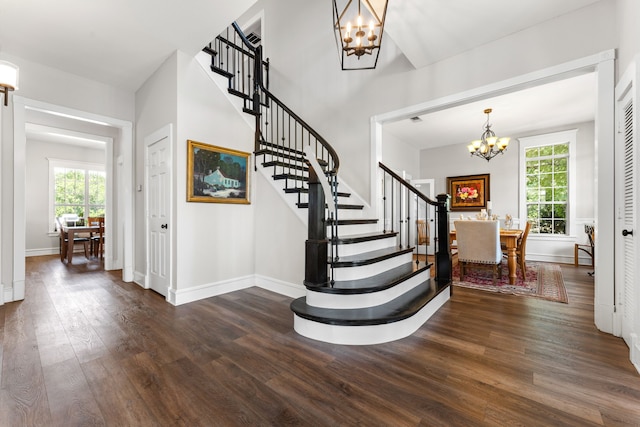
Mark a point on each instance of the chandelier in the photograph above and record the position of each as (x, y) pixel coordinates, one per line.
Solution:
(358, 27)
(489, 145)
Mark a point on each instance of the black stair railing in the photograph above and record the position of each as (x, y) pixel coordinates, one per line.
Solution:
(408, 211)
(234, 57)
(284, 141)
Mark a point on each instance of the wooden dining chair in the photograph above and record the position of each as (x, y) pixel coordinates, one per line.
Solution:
(423, 232)
(521, 250)
(64, 241)
(479, 246)
(97, 239)
(589, 249)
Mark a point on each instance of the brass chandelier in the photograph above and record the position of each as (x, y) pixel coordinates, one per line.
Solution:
(358, 27)
(489, 145)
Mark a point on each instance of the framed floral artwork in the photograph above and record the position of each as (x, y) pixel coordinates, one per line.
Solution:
(468, 193)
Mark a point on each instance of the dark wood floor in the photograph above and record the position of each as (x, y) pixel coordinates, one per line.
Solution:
(84, 348)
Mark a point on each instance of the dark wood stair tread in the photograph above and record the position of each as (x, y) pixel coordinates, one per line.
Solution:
(285, 165)
(368, 258)
(398, 309)
(305, 190)
(352, 221)
(340, 206)
(268, 152)
(379, 282)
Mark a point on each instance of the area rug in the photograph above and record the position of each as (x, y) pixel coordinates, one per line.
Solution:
(542, 281)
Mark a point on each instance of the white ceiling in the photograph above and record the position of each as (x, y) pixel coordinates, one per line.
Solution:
(554, 104)
(118, 42)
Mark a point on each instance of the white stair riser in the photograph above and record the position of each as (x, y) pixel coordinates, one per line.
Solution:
(370, 299)
(364, 271)
(362, 247)
(351, 229)
(371, 334)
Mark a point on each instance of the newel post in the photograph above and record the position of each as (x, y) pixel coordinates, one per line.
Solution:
(443, 251)
(316, 246)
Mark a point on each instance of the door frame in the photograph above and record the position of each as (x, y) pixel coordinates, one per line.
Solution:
(120, 224)
(603, 65)
(162, 133)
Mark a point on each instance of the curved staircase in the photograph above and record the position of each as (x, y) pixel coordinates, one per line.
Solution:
(364, 283)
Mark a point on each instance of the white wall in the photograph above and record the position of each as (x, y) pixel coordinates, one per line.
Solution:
(628, 13)
(156, 106)
(400, 156)
(214, 241)
(38, 240)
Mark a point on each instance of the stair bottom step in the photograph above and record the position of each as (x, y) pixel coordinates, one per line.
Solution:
(398, 309)
(350, 333)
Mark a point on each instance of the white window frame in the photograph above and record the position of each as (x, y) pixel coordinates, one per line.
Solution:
(70, 164)
(543, 140)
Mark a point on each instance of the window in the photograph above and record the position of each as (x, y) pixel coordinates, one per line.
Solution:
(547, 179)
(76, 188)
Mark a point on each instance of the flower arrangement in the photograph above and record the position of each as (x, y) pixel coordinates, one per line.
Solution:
(465, 193)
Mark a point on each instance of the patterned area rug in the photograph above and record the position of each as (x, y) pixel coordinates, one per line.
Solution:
(542, 281)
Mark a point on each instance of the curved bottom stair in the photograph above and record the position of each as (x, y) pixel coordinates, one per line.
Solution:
(384, 307)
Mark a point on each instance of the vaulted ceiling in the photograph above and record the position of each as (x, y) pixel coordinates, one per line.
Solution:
(122, 42)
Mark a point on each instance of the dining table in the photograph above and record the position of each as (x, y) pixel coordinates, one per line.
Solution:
(71, 231)
(510, 239)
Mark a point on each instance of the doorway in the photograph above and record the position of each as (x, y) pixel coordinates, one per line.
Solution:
(119, 163)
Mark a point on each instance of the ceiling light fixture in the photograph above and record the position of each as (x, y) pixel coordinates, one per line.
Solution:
(489, 145)
(358, 27)
(8, 79)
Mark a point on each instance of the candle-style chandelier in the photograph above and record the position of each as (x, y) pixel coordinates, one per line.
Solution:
(358, 27)
(489, 145)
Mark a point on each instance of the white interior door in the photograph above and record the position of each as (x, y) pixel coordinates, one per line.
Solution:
(627, 298)
(158, 160)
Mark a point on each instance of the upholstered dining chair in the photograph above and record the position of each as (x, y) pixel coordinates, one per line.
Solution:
(521, 250)
(479, 246)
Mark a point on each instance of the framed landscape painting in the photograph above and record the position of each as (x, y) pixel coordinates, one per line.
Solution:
(468, 193)
(216, 174)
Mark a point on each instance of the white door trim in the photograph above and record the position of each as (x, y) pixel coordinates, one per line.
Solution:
(122, 223)
(164, 132)
(603, 64)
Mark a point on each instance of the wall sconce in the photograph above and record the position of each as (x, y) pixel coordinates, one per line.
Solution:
(8, 79)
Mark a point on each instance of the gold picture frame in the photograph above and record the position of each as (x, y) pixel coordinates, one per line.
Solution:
(217, 174)
(469, 192)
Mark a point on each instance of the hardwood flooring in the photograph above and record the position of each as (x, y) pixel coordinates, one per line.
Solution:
(85, 348)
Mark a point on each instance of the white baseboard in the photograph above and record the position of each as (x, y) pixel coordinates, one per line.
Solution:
(278, 286)
(3, 297)
(634, 351)
(140, 279)
(195, 293)
(41, 252)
